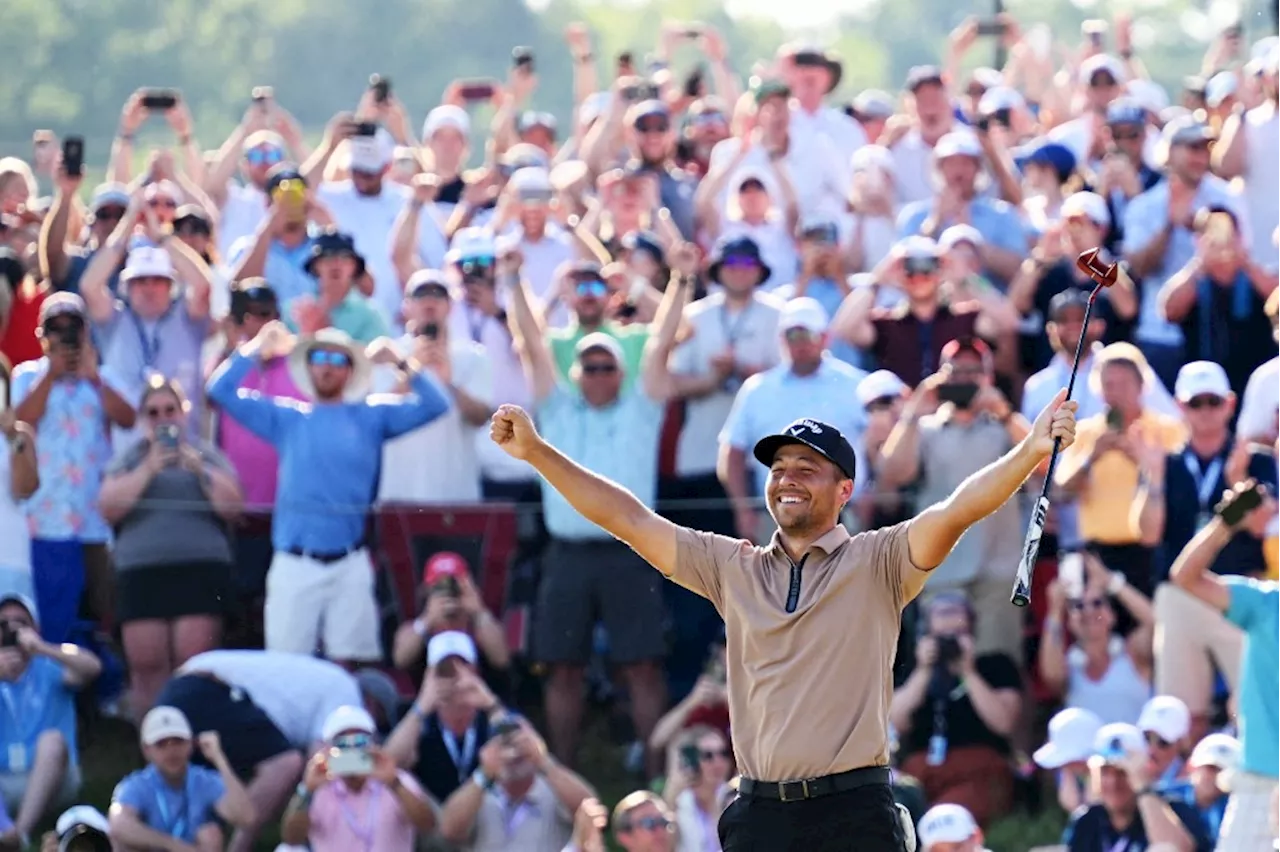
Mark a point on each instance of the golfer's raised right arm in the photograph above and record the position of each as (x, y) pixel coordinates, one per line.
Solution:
(610, 506)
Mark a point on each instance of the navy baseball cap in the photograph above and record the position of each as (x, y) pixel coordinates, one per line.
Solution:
(823, 438)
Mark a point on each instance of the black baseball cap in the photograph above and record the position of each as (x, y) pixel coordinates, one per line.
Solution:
(823, 438)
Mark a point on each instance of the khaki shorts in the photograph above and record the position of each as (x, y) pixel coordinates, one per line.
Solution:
(13, 786)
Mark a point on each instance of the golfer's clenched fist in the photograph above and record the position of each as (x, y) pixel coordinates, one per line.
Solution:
(512, 429)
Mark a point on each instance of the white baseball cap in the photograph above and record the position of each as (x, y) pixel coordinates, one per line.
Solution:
(1090, 205)
(1000, 97)
(471, 242)
(450, 643)
(1220, 87)
(957, 234)
(1220, 750)
(958, 143)
(1071, 736)
(348, 717)
(878, 385)
(1199, 378)
(147, 262)
(804, 312)
(945, 824)
(872, 157)
(916, 246)
(163, 723)
(450, 116)
(1165, 716)
(1149, 94)
(1116, 742)
(1101, 62)
(372, 154)
(85, 815)
(531, 178)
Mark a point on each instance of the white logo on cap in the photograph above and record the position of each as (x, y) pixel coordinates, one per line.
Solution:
(803, 425)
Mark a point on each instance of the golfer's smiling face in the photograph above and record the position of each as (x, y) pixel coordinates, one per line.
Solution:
(805, 491)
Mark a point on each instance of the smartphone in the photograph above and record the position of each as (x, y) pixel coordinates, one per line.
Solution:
(291, 193)
(168, 435)
(1245, 502)
(346, 762)
(447, 585)
(73, 155)
(640, 92)
(381, 88)
(262, 94)
(160, 99)
(992, 27)
(366, 128)
(522, 57)
(960, 394)
(506, 727)
(626, 63)
(691, 758)
(1071, 574)
(477, 90)
(1115, 420)
(431, 331)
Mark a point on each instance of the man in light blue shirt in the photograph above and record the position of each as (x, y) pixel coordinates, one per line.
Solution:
(280, 248)
(1254, 607)
(1158, 235)
(611, 429)
(330, 453)
(809, 382)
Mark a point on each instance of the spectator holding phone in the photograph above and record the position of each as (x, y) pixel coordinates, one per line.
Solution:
(452, 604)
(353, 796)
(170, 501)
(339, 302)
(1254, 607)
(280, 246)
(172, 800)
(697, 787)
(72, 404)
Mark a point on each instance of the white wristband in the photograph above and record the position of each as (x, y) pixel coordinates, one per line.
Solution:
(420, 627)
(1116, 583)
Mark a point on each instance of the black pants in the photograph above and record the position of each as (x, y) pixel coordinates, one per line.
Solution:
(863, 819)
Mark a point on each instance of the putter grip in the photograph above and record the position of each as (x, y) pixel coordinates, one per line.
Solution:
(1030, 552)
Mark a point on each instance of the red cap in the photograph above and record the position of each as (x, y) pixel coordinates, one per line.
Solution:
(968, 344)
(444, 564)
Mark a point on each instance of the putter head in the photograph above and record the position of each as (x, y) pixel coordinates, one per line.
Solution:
(1103, 274)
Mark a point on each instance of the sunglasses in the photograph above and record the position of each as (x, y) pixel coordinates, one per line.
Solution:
(1206, 400)
(599, 369)
(740, 261)
(712, 754)
(653, 823)
(708, 119)
(328, 358)
(259, 313)
(109, 213)
(800, 335)
(1154, 740)
(1125, 135)
(595, 288)
(162, 411)
(353, 741)
(882, 403)
(658, 126)
(475, 265)
(264, 156)
(1101, 81)
(825, 234)
(1088, 603)
(914, 266)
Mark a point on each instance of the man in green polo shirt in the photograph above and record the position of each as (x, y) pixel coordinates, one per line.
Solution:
(337, 266)
(588, 299)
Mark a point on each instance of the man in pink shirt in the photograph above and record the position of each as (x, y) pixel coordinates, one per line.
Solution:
(253, 305)
(353, 798)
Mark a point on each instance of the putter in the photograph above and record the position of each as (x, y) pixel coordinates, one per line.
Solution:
(1103, 275)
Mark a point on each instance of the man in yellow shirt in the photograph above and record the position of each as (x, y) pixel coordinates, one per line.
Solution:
(1101, 468)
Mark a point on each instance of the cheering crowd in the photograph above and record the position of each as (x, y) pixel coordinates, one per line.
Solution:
(690, 261)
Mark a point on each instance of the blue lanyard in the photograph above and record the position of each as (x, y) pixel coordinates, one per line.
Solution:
(1205, 480)
(24, 708)
(174, 827)
(149, 345)
(461, 758)
(365, 832)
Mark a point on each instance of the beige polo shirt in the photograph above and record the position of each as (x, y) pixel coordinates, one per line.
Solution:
(808, 690)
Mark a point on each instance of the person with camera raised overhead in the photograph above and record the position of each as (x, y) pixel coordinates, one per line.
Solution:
(71, 404)
(956, 712)
(437, 463)
(172, 803)
(280, 248)
(697, 787)
(452, 604)
(353, 796)
(169, 499)
(956, 422)
(1251, 605)
(39, 760)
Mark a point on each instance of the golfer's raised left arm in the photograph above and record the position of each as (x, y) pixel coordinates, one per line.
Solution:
(932, 533)
(610, 506)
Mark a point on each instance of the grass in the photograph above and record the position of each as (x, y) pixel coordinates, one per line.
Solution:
(109, 750)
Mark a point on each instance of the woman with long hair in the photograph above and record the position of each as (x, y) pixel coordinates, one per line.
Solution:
(170, 501)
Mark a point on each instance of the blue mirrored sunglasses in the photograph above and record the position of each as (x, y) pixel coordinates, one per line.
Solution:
(353, 741)
(595, 288)
(328, 358)
(264, 156)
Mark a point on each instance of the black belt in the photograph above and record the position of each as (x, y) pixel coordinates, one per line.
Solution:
(812, 788)
(326, 558)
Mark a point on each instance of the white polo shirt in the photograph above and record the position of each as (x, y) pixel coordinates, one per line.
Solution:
(752, 334)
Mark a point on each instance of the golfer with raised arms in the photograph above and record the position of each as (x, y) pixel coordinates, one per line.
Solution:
(811, 620)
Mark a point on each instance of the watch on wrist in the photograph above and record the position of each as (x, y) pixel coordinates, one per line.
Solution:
(303, 794)
(1116, 583)
(481, 779)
